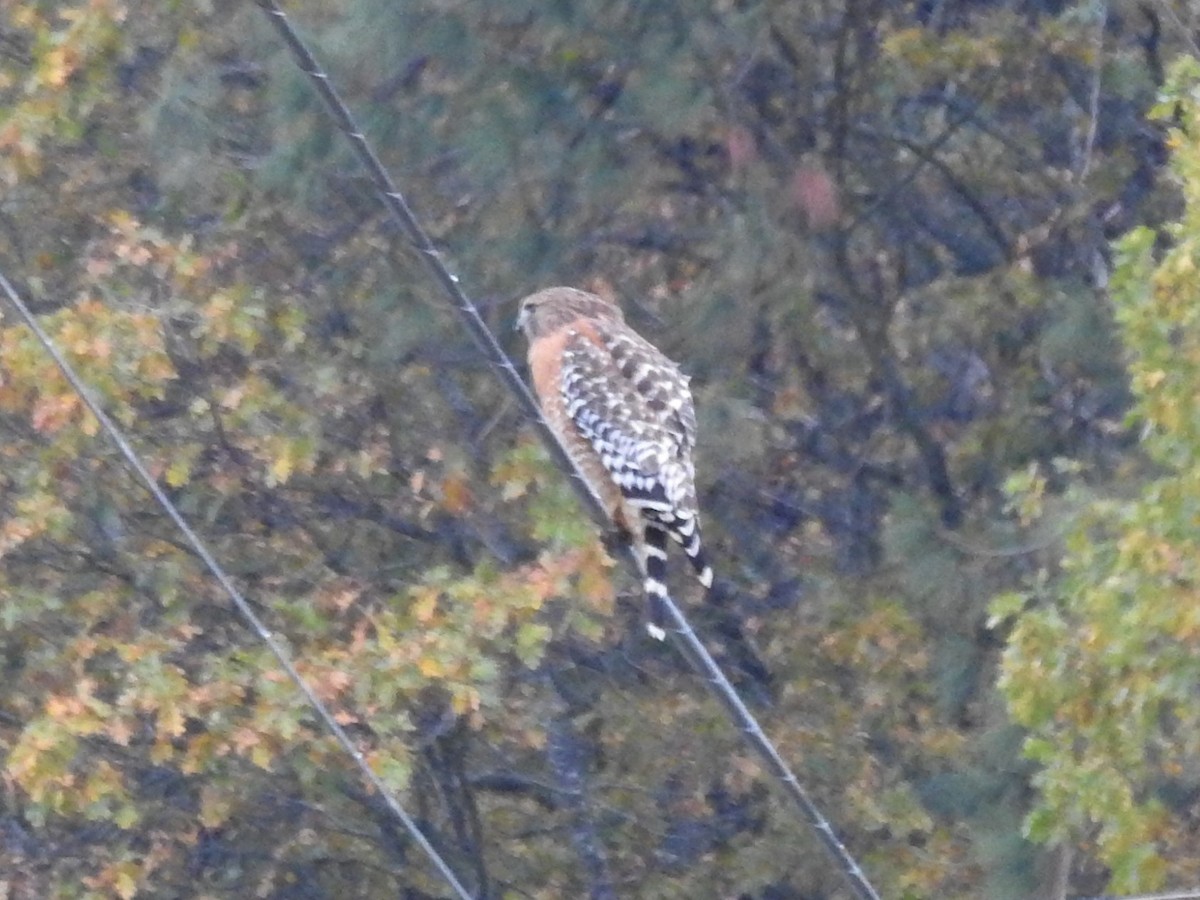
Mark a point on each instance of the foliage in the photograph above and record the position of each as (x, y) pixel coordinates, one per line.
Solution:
(869, 230)
(1103, 672)
(67, 49)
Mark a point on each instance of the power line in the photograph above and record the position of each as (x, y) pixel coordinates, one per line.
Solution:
(239, 601)
(690, 645)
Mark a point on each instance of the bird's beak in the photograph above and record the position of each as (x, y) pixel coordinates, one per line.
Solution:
(522, 319)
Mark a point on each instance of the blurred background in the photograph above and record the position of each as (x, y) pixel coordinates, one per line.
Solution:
(956, 574)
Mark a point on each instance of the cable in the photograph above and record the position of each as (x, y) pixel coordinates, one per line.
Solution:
(691, 646)
(239, 601)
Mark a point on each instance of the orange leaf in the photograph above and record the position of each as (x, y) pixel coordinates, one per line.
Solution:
(456, 496)
(51, 413)
(119, 732)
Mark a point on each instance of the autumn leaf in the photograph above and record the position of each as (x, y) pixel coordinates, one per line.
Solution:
(58, 65)
(171, 721)
(425, 605)
(178, 472)
(333, 683)
(51, 412)
(456, 493)
(119, 731)
(281, 469)
(216, 805)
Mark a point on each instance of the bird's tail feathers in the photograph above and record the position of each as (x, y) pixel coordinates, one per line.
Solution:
(654, 564)
(684, 528)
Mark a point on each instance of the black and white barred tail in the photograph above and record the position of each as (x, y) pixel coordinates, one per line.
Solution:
(684, 531)
(654, 565)
(687, 534)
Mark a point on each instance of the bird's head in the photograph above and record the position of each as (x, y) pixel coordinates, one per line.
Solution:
(552, 308)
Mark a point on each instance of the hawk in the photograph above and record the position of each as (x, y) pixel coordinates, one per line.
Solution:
(623, 413)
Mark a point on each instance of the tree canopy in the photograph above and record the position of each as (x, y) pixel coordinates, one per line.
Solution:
(932, 269)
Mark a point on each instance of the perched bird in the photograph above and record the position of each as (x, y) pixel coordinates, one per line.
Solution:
(623, 413)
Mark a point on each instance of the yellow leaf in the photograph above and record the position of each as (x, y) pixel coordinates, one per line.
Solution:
(161, 751)
(171, 721)
(126, 816)
(261, 756)
(178, 472)
(282, 467)
(125, 884)
(514, 488)
(200, 750)
(58, 66)
(425, 607)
